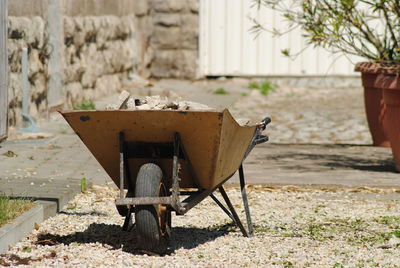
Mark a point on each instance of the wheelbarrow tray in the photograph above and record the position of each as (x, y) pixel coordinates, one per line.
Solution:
(214, 142)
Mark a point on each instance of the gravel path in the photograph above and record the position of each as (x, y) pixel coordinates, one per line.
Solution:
(294, 228)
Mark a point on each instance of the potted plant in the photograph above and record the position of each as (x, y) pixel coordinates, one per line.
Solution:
(365, 28)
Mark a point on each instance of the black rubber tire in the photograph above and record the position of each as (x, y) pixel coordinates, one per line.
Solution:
(150, 236)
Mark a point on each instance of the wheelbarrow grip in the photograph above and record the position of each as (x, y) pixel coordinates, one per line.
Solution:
(265, 122)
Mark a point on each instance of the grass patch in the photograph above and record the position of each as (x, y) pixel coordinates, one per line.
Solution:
(356, 232)
(391, 221)
(220, 91)
(265, 87)
(85, 105)
(12, 208)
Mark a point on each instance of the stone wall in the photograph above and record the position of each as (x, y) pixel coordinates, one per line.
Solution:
(102, 43)
(174, 40)
(27, 33)
(98, 54)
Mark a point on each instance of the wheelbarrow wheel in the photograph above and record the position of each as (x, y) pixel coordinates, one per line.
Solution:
(153, 222)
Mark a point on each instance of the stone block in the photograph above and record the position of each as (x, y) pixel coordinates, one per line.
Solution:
(89, 93)
(106, 28)
(121, 56)
(70, 56)
(73, 72)
(166, 63)
(193, 6)
(166, 37)
(38, 84)
(73, 93)
(189, 64)
(30, 30)
(125, 28)
(14, 50)
(168, 6)
(33, 109)
(190, 31)
(88, 78)
(141, 7)
(15, 87)
(35, 65)
(174, 63)
(167, 19)
(107, 85)
(38, 32)
(69, 27)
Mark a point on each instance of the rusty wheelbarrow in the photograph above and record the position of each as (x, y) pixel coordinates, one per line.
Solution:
(167, 161)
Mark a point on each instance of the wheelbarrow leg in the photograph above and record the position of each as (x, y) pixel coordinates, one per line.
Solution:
(128, 218)
(245, 201)
(222, 207)
(232, 209)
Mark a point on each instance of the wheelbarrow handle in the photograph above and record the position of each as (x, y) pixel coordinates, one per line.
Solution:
(265, 122)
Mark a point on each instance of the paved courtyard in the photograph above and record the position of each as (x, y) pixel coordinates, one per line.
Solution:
(318, 159)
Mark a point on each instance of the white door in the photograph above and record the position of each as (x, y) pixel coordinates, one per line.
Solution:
(227, 47)
(3, 70)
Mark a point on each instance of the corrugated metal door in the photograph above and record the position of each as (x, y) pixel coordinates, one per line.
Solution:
(3, 69)
(227, 47)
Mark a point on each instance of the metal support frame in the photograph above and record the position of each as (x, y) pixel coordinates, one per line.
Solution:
(245, 201)
(231, 212)
(174, 199)
(181, 207)
(213, 197)
(121, 164)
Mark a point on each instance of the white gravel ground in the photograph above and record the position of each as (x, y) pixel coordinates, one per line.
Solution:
(294, 228)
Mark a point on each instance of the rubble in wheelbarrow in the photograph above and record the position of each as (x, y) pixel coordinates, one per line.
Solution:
(128, 102)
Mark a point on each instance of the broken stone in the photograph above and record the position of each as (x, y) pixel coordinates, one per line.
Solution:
(123, 99)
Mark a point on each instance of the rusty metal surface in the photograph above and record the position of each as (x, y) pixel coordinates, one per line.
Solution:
(213, 141)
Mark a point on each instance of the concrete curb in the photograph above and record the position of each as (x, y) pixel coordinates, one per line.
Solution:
(22, 225)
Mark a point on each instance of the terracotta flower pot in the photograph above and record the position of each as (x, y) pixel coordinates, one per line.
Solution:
(390, 83)
(375, 108)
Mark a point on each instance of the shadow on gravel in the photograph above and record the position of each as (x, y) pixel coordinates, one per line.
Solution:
(322, 157)
(305, 162)
(92, 213)
(112, 235)
(188, 238)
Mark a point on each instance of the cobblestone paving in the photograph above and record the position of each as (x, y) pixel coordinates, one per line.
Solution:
(309, 115)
